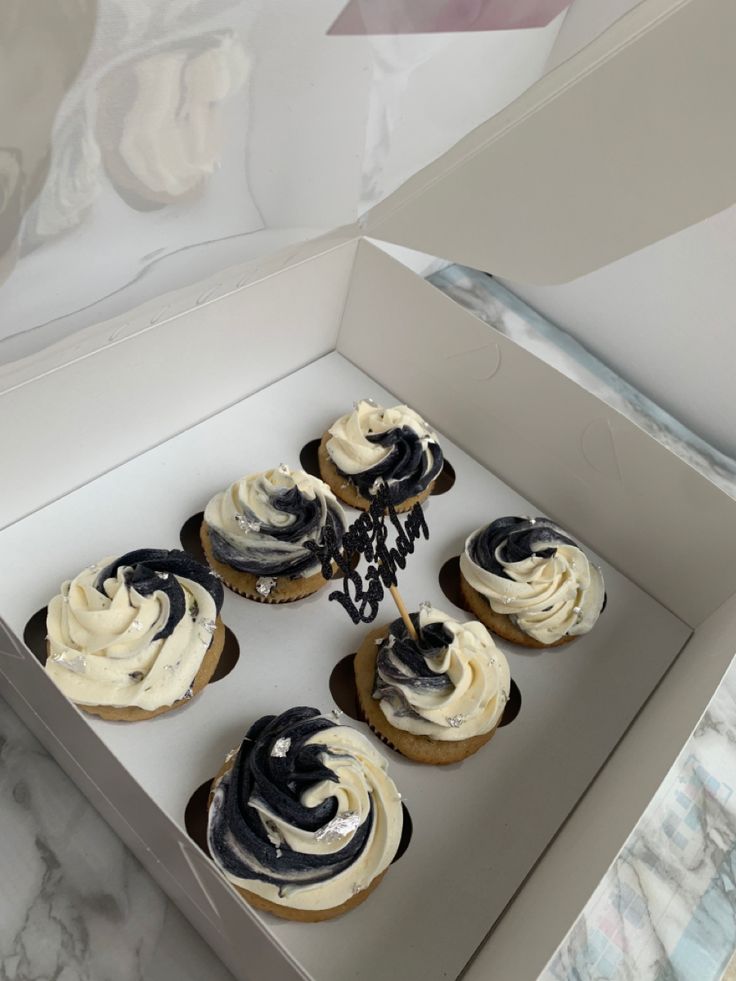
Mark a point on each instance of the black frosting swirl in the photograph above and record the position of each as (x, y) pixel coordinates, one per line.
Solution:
(151, 570)
(253, 553)
(408, 468)
(401, 660)
(513, 539)
(278, 783)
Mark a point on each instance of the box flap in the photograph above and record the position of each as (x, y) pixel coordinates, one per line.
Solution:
(186, 138)
(628, 141)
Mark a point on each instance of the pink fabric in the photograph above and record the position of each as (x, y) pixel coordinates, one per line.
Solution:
(439, 16)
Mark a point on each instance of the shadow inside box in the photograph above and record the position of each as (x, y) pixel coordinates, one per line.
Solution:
(449, 578)
(189, 537)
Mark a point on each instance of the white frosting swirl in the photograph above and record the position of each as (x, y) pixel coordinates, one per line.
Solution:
(473, 696)
(101, 646)
(548, 596)
(353, 452)
(261, 522)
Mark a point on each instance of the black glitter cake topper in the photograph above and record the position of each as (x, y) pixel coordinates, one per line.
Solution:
(368, 537)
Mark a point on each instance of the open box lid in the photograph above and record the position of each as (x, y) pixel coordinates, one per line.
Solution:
(630, 140)
(552, 170)
(172, 140)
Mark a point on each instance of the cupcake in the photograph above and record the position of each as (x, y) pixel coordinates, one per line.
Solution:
(371, 446)
(529, 583)
(135, 636)
(303, 819)
(255, 534)
(436, 699)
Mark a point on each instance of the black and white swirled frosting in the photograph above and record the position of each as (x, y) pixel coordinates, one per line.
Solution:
(372, 445)
(307, 817)
(531, 571)
(450, 683)
(261, 523)
(133, 630)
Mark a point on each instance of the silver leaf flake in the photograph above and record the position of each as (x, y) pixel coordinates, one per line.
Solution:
(425, 606)
(373, 404)
(136, 625)
(279, 853)
(163, 575)
(357, 888)
(215, 574)
(455, 721)
(272, 833)
(231, 755)
(77, 663)
(246, 523)
(284, 469)
(136, 676)
(577, 610)
(94, 567)
(169, 668)
(339, 827)
(188, 693)
(336, 713)
(209, 625)
(507, 600)
(281, 747)
(264, 585)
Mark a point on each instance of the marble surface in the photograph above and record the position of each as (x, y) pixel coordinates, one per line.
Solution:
(666, 909)
(75, 905)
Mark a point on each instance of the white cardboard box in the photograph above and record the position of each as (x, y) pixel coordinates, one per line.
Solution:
(666, 534)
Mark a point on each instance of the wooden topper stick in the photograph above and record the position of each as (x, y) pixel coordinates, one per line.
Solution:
(396, 595)
(403, 611)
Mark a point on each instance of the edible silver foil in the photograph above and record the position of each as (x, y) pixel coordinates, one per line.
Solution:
(339, 827)
(264, 585)
(77, 663)
(281, 747)
(246, 523)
